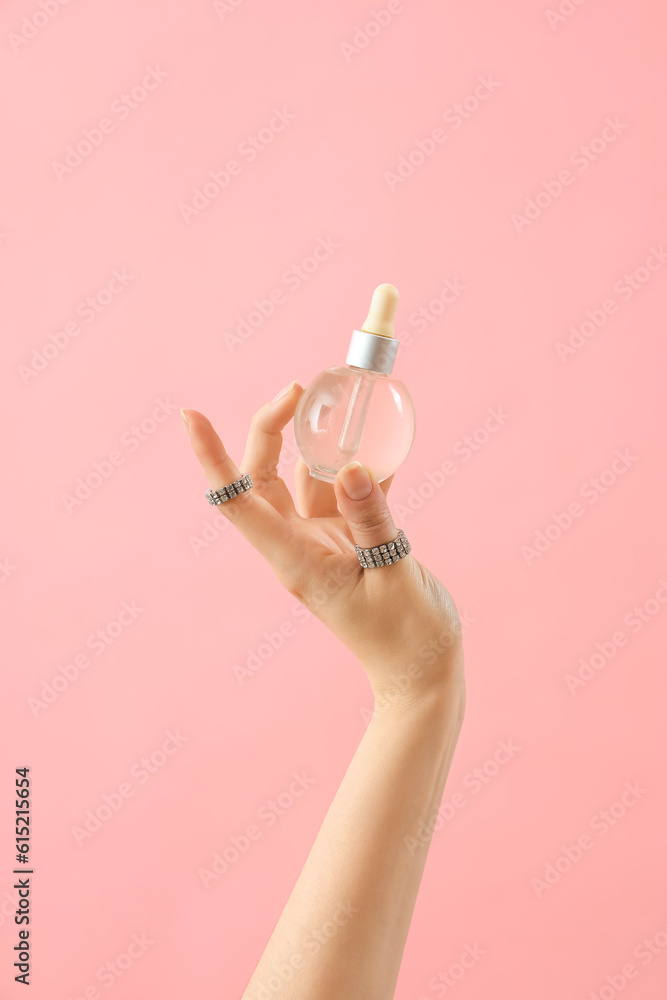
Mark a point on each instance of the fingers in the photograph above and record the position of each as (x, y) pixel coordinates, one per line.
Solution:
(263, 447)
(317, 498)
(363, 504)
(257, 520)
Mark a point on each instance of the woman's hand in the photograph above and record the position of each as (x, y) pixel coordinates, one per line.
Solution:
(398, 620)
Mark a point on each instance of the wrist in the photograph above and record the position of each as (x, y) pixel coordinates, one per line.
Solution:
(439, 684)
(402, 695)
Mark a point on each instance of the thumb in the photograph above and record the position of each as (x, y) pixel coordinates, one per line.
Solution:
(363, 504)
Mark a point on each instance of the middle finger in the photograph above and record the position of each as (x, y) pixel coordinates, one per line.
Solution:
(262, 452)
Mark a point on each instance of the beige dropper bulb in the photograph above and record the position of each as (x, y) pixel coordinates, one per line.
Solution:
(381, 314)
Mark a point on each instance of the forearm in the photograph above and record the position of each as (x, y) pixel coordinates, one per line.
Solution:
(343, 930)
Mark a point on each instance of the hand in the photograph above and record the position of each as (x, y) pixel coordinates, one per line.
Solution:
(398, 620)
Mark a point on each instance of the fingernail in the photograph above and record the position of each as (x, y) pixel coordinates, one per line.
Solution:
(355, 481)
(283, 392)
(185, 418)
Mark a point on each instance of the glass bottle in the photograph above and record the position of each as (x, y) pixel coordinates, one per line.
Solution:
(356, 411)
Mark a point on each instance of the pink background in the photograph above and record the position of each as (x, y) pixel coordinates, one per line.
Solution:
(144, 534)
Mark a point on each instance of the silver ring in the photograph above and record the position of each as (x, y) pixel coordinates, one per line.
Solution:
(384, 555)
(216, 497)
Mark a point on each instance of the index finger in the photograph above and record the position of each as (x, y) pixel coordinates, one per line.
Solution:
(257, 520)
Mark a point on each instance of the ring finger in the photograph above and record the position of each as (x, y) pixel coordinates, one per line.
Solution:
(263, 447)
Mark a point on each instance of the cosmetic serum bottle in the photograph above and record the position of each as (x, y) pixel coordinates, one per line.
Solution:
(357, 411)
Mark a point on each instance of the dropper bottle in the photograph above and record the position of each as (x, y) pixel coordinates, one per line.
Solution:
(356, 411)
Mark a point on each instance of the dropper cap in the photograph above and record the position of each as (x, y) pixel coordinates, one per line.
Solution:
(380, 319)
(374, 347)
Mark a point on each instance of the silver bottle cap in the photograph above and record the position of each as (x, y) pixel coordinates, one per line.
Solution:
(372, 351)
